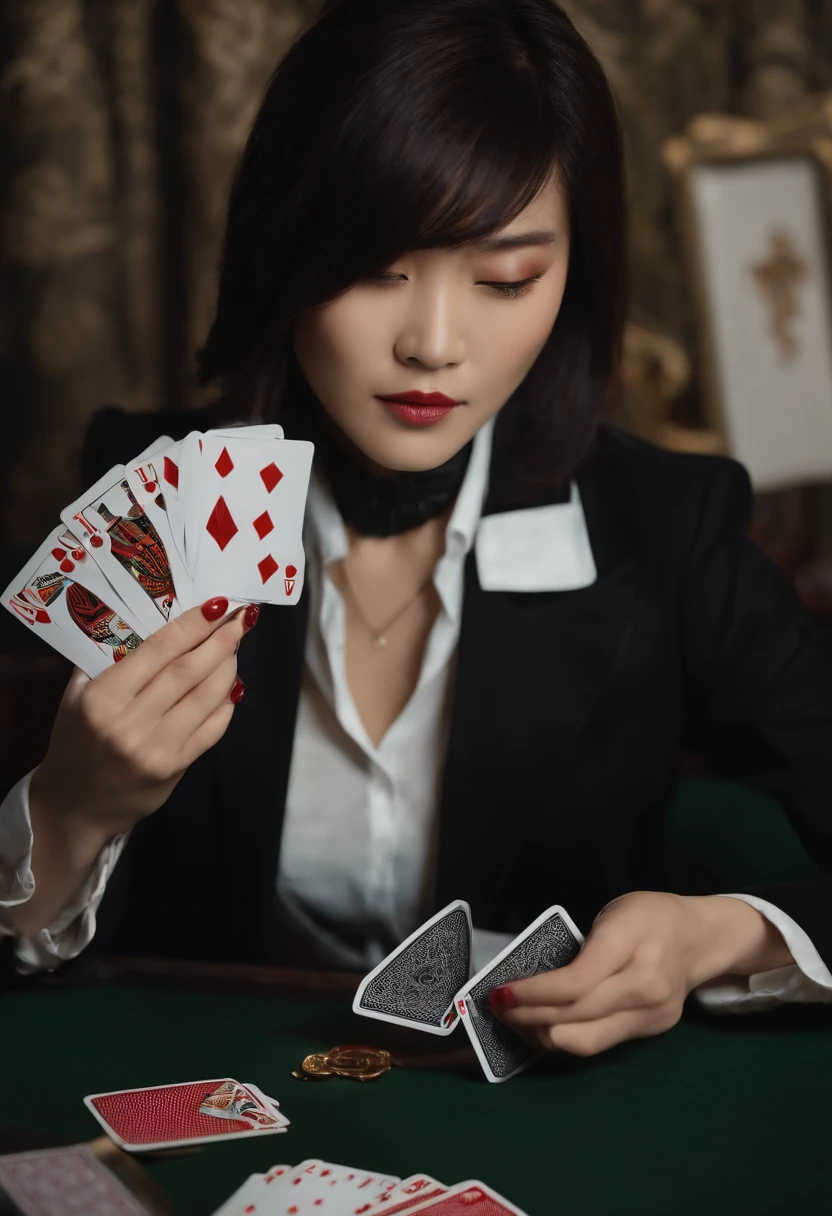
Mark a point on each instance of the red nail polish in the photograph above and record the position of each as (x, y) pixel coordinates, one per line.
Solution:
(238, 691)
(502, 998)
(250, 616)
(213, 609)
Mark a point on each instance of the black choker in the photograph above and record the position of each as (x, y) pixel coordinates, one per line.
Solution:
(374, 504)
(384, 505)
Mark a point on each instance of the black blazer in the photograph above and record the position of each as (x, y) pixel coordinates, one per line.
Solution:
(570, 714)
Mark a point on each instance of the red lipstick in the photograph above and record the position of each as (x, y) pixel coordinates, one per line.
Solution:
(417, 408)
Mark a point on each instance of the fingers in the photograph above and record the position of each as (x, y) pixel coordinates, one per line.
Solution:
(629, 989)
(602, 956)
(209, 733)
(75, 685)
(185, 673)
(591, 1038)
(181, 733)
(126, 679)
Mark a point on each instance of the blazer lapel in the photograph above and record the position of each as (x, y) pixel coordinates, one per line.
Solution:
(550, 653)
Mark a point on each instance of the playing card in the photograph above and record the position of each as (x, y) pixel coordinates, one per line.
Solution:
(188, 502)
(405, 1195)
(248, 537)
(467, 1199)
(68, 1181)
(126, 547)
(270, 1104)
(157, 445)
(417, 984)
(166, 463)
(63, 596)
(549, 942)
(167, 1116)
(231, 1100)
(255, 1194)
(258, 430)
(236, 1204)
(322, 1187)
(144, 475)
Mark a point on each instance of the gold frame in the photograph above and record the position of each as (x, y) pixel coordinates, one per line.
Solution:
(804, 132)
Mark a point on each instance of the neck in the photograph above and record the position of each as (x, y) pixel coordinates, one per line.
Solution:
(372, 499)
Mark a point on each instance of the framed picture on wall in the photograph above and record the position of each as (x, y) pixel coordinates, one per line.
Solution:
(755, 218)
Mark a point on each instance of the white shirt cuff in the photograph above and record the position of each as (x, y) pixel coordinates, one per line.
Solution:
(806, 981)
(73, 929)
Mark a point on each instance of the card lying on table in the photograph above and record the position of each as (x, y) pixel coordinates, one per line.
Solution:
(319, 1187)
(57, 1181)
(468, 1199)
(312, 1187)
(192, 1112)
(219, 513)
(426, 983)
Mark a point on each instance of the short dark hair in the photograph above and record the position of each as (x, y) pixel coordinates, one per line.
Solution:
(396, 125)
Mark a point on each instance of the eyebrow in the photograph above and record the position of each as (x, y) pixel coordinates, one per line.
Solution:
(517, 240)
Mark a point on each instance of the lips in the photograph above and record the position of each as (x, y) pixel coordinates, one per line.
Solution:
(418, 398)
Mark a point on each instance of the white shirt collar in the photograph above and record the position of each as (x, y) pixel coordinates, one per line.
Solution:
(532, 549)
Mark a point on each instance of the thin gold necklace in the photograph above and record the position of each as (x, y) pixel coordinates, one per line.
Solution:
(379, 635)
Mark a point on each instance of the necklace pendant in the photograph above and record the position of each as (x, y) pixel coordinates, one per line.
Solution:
(379, 640)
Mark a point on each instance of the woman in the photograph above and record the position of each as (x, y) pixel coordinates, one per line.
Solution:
(516, 615)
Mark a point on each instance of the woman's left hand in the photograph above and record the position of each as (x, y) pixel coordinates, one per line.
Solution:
(643, 956)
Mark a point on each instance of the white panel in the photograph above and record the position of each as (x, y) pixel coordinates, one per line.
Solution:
(777, 410)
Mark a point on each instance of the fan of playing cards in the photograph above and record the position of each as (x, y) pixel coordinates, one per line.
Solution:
(426, 983)
(339, 1190)
(219, 513)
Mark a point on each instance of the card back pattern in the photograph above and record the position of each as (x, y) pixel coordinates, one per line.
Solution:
(421, 982)
(552, 945)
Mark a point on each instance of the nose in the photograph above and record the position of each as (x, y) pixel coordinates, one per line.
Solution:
(431, 331)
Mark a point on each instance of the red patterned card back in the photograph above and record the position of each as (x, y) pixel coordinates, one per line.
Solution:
(168, 1112)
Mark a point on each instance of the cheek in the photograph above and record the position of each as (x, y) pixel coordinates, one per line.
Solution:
(531, 326)
(343, 337)
(516, 344)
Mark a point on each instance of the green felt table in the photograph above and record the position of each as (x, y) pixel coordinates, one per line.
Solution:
(728, 1116)
(719, 1115)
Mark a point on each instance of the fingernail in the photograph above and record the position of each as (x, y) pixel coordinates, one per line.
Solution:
(502, 998)
(238, 691)
(213, 609)
(250, 616)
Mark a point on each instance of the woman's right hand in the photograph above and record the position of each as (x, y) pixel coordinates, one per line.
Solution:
(122, 740)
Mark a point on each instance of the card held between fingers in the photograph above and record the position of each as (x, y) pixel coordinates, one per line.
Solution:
(549, 942)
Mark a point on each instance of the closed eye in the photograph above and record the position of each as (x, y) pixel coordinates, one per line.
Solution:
(510, 291)
(513, 290)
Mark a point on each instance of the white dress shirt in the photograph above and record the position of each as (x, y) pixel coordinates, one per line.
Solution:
(358, 845)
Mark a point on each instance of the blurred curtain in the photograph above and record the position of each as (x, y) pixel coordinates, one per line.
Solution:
(120, 128)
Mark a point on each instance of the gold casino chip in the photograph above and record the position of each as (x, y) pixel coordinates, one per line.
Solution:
(354, 1062)
(359, 1062)
(317, 1066)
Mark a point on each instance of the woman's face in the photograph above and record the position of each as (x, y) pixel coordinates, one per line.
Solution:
(435, 322)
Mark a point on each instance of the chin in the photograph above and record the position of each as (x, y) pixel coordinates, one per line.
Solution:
(402, 450)
(412, 453)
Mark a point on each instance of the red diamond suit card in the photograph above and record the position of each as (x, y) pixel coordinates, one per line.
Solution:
(244, 525)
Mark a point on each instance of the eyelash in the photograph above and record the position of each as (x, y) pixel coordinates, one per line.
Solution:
(510, 291)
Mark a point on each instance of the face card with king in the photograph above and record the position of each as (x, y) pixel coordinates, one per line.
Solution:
(117, 533)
